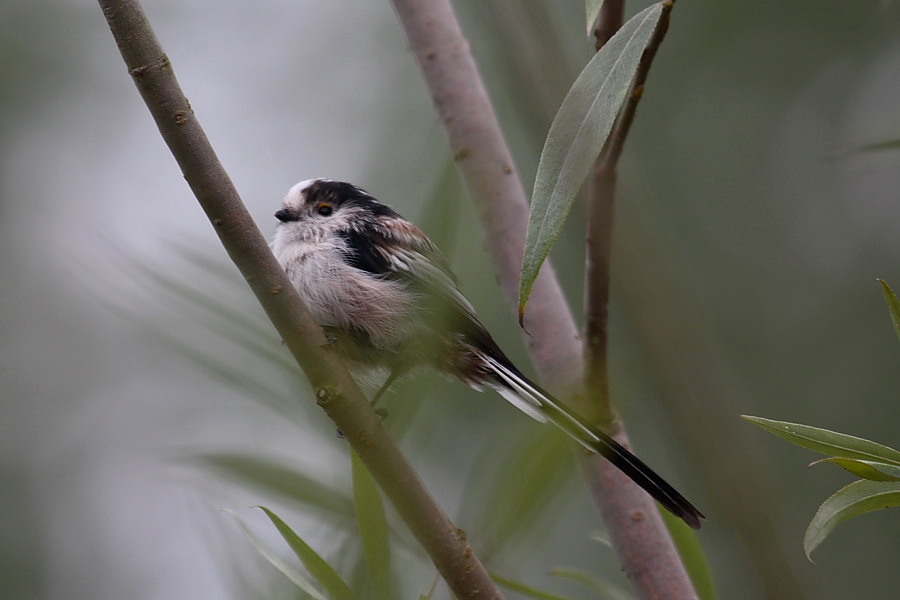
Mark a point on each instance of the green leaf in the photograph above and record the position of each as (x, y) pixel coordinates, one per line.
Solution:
(373, 527)
(850, 501)
(508, 508)
(691, 552)
(296, 577)
(315, 564)
(867, 469)
(271, 476)
(893, 304)
(879, 146)
(576, 137)
(604, 590)
(592, 11)
(524, 589)
(829, 442)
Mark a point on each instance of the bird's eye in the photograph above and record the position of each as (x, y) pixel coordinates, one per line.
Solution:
(325, 209)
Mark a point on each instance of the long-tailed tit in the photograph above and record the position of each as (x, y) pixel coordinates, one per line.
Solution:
(386, 298)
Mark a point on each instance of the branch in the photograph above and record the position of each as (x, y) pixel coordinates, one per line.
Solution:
(598, 239)
(648, 556)
(486, 165)
(600, 208)
(335, 390)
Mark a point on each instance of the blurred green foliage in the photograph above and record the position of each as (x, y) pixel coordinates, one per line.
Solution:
(749, 229)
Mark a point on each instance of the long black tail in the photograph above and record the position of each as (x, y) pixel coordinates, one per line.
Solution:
(540, 405)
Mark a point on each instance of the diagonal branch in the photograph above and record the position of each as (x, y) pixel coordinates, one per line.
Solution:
(335, 390)
(486, 165)
(667, 578)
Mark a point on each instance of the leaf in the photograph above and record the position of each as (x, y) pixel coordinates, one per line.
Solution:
(271, 476)
(509, 506)
(893, 304)
(576, 137)
(878, 146)
(296, 577)
(850, 501)
(373, 527)
(592, 11)
(524, 589)
(867, 469)
(315, 564)
(603, 589)
(829, 442)
(687, 543)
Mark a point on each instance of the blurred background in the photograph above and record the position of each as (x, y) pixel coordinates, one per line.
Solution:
(141, 390)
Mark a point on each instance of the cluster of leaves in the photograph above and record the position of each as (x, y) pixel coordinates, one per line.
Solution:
(877, 465)
(319, 580)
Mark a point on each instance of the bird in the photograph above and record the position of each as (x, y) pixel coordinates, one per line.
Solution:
(387, 301)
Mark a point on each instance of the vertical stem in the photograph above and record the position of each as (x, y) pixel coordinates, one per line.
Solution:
(598, 267)
(649, 558)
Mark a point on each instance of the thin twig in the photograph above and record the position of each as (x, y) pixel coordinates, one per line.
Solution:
(598, 236)
(485, 163)
(335, 390)
(637, 547)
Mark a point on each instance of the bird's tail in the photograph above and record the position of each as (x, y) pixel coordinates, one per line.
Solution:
(531, 399)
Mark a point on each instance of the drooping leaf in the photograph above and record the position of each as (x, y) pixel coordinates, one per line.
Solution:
(509, 507)
(271, 476)
(881, 146)
(293, 575)
(592, 11)
(373, 527)
(525, 589)
(829, 442)
(867, 469)
(893, 304)
(850, 501)
(576, 137)
(601, 588)
(687, 543)
(317, 566)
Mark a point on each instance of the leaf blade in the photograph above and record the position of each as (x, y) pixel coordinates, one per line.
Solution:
(866, 469)
(850, 501)
(592, 11)
(828, 442)
(893, 305)
(373, 527)
(576, 137)
(317, 566)
(301, 581)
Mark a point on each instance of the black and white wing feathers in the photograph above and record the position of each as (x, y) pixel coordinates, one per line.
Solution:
(402, 252)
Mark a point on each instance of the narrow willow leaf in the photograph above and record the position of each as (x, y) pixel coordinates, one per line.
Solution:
(828, 442)
(853, 500)
(687, 543)
(521, 490)
(893, 304)
(592, 11)
(271, 476)
(317, 566)
(879, 146)
(524, 589)
(604, 590)
(373, 528)
(867, 469)
(296, 577)
(576, 137)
